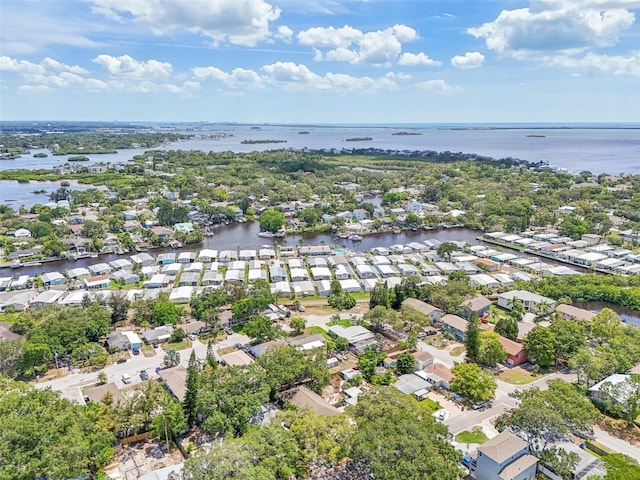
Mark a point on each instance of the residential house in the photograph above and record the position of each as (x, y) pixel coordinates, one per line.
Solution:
(235, 359)
(125, 278)
(456, 326)
(18, 302)
(167, 258)
(78, 273)
(515, 352)
(212, 279)
(597, 394)
(479, 304)
(190, 279)
(52, 278)
(532, 302)
(438, 375)
(304, 398)
(143, 259)
(569, 312)
(121, 264)
(185, 228)
(359, 337)
(181, 294)
(96, 394)
(504, 457)
(163, 233)
(46, 298)
(158, 334)
(434, 313)
(159, 280)
(97, 283)
(187, 257)
(422, 360)
(207, 255)
(100, 269)
(175, 381)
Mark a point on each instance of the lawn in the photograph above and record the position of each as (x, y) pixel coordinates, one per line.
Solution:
(345, 322)
(432, 405)
(185, 343)
(474, 436)
(457, 351)
(517, 376)
(316, 329)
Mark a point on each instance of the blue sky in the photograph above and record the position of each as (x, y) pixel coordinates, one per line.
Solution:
(320, 61)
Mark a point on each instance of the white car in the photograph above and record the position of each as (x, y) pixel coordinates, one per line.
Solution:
(126, 378)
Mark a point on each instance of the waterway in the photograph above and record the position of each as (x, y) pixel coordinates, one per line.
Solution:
(626, 314)
(27, 194)
(245, 236)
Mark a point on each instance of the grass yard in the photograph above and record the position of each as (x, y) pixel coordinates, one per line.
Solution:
(517, 376)
(345, 322)
(432, 405)
(185, 343)
(457, 351)
(316, 329)
(474, 436)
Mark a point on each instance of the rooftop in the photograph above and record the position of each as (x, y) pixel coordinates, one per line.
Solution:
(503, 446)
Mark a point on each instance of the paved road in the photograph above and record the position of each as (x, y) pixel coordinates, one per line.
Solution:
(616, 444)
(70, 385)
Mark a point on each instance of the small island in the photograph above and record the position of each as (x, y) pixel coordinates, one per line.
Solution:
(40, 155)
(407, 133)
(359, 139)
(536, 136)
(303, 132)
(78, 158)
(255, 142)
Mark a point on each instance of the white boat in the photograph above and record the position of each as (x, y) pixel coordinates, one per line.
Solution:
(265, 234)
(355, 238)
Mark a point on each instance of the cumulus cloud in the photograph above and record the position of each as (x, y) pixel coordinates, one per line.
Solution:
(415, 59)
(468, 60)
(436, 85)
(613, 64)
(295, 76)
(284, 33)
(240, 22)
(126, 66)
(561, 26)
(348, 44)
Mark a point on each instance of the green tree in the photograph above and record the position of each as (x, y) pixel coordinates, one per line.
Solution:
(119, 307)
(621, 467)
(10, 353)
(491, 350)
(191, 395)
(271, 220)
(389, 422)
(568, 337)
(378, 317)
(367, 363)
(405, 363)
(445, 250)
(539, 344)
(177, 335)
(472, 342)
(342, 344)
(560, 461)
(211, 357)
(297, 324)
(262, 329)
(165, 313)
(507, 327)
(623, 399)
(170, 421)
(310, 216)
(548, 416)
(473, 383)
(171, 358)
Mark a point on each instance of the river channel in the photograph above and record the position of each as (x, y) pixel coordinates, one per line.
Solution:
(245, 236)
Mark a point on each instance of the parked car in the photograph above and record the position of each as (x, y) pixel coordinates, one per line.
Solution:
(144, 375)
(301, 308)
(422, 334)
(121, 360)
(158, 369)
(154, 345)
(135, 351)
(126, 378)
(192, 337)
(228, 331)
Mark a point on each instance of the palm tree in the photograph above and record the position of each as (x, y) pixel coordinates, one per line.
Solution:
(171, 358)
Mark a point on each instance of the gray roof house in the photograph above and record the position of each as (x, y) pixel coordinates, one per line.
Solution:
(124, 277)
(530, 301)
(46, 298)
(505, 457)
(52, 278)
(434, 313)
(456, 326)
(158, 334)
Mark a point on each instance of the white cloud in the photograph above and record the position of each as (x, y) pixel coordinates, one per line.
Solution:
(468, 60)
(613, 64)
(348, 44)
(284, 33)
(560, 26)
(437, 86)
(329, 36)
(290, 72)
(241, 22)
(414, 59)
(34, 89)
(52, 64)
(126, 66)
(238, 77)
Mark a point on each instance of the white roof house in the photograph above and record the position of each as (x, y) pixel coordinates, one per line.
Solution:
(79, 272)
(321, 273)
(350, 285)
(74, 298)
(304, 288)
(46, 298)
(18, 301)
(529, 300)
(181, 294)
(281, 288)
(299, 274)
(143, 259)
(121, 264)
(207, 255)
(365, 271)
(234, 276)
(22, 233)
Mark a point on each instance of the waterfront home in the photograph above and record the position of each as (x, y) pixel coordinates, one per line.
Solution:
(5, 283)
(186, 257)
(78, 273)
(166, 258)
(504, 457)
(456, 326)
(314, 250)
(207, 255)
(266, 254)
(247, 255)
(163, 233)
(121, 264)
(531, 301)
(426, 309)
(569, 312)
(143, 259)
(52, 278)
(97, 283)
(20, 283)
(185, 228)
